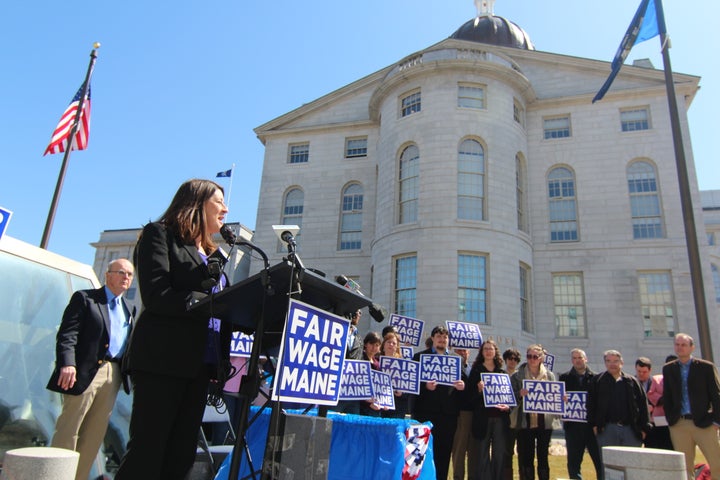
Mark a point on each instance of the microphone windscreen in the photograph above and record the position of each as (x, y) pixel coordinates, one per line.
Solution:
(228, 234)
(342, 280)
(377, 312)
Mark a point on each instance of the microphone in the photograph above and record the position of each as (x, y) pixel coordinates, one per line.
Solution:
(377, 312)
(228, 235)
(215, 268)
(288, 238)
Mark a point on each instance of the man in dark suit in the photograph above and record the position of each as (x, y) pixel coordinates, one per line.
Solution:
(91, 341)
(691, 397)
(438, 404)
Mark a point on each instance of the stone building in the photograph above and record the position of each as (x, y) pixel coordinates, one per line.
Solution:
(474, 180)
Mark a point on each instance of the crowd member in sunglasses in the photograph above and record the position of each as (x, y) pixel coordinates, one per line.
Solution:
(533, 430)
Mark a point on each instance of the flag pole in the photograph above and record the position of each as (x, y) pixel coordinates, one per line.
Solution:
(232, 171)
(66, 156)
(693, 250)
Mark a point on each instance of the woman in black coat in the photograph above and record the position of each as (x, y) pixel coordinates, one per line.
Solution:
(490, 425)
(174, 354)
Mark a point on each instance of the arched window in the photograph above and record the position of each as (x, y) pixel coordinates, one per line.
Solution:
(644, 201)
(292, 212)
(409, 184)
(471, 181)
(351, 218)
(563, 209)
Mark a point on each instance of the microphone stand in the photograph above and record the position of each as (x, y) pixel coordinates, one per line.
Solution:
(273, 436)
(250, 384)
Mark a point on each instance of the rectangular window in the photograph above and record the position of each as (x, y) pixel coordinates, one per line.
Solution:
(656, 304)
(525, 312)
(634, 119)
(299, 153)
(569, 305)
(406, 285)
(355, 147)
(471, 96)
(472, 288)
(410, 104)
(556, 127)
(711, 238)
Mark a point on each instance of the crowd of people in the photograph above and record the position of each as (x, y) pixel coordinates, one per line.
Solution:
(100, 344)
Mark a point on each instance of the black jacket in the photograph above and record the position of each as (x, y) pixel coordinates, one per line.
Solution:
(600, 396)
(83, 339)
(167, 339)
(703, 391)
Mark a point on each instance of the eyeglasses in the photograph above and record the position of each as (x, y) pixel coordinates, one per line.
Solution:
(122, 273)
(530, 356)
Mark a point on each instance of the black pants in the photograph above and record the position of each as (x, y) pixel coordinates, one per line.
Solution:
(578, 437)
(529, 442)
(166, 417)
(443, 433)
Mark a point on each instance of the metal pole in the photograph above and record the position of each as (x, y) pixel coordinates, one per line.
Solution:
(693, 250)
(66, 157)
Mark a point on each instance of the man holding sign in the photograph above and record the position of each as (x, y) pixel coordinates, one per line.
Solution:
(437, 403)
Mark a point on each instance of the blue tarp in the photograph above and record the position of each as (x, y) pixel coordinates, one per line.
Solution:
(361, 448)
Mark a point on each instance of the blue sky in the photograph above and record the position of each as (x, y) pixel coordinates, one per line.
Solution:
(179, 86)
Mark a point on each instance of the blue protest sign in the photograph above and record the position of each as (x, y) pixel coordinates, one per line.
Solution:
(544, 397)
(443, 369)
(356, 383)
(464, 335)
(312, 353)
(241, 344)
(575, 407)
(4, 220)
(409, 329)
(406, 352)
(383, 395)
(404, 373)
(497, 390)
(549, 361)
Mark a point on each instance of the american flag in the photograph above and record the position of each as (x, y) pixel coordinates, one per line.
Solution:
(62, 131)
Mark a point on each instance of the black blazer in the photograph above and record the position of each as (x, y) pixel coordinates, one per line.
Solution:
(600, 396)
(703, 390)
(443, 400)
(83, 339)
(167, 339)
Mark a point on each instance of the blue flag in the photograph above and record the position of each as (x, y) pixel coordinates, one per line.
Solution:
(644, 26)
(225, 174)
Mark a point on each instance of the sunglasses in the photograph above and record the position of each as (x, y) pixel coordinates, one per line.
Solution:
(530, 356)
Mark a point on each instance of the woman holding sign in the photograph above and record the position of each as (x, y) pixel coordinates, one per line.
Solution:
(490, 423)
(533, 429)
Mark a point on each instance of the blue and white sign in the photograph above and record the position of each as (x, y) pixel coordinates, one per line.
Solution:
(356, 383)
(404, 373)
(549, 361)
(409, 329)
(544, 397)
(497, 390)
(407, 352)
(312, 353)
(4, 220)
(464, 335)
(443, 369)
(241, 344)
(575, 407)
(383, 395)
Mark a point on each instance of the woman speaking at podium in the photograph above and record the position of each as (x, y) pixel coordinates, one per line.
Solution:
(173, 354)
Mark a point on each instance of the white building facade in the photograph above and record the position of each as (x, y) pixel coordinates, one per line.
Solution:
(475, 181)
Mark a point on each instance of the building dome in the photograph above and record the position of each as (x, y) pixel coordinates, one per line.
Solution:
(495, 31)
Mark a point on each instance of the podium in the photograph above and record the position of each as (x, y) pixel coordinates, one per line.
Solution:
(258, 305)
(242, 304)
